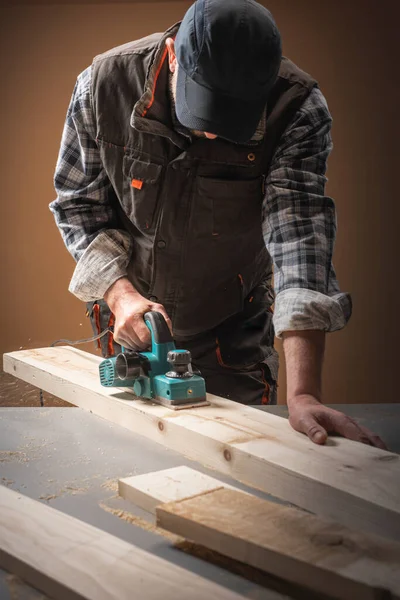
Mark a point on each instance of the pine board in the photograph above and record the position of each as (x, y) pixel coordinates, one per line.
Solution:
(354, 484)
(286, 542)
(68, 559)
(149, 490)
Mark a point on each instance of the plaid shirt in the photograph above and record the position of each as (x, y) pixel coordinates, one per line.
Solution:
(299, 222)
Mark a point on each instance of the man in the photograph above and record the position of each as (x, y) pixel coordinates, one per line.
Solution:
(193, 163)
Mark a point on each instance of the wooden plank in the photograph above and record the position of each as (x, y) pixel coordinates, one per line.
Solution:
(355, 484)
(149, 490)
(69, 559)
(288, 543)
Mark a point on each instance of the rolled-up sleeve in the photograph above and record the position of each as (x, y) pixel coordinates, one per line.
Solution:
(299, 225)
(84, 209)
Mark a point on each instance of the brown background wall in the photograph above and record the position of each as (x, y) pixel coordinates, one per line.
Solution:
(345, 45)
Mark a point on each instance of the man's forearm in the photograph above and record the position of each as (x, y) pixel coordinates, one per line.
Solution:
(304, 354)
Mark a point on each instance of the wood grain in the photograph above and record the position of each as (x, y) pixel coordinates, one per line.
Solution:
(296, 546)
(69, 559)
(355, 484)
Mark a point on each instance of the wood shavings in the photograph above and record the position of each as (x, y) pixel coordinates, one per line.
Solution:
(139, 522)
(48, 498)
(13, 455)
(110, 485)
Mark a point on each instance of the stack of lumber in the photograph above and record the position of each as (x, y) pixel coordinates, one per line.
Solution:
(354, 490)
(306, 550)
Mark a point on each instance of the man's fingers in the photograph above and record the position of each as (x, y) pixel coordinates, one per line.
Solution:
(317, 421)
(310, 426)
(142, 332)
(126, 336)
(345, 426)
(375, 440)
(134, 333)
(348, 428)
(122, 342)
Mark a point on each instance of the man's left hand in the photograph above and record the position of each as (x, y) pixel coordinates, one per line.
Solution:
(309, 416)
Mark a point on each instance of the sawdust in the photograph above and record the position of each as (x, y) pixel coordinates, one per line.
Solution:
(13, 455)
(69, 489)
(139, 522)
(48, 498)
(24, 453)
(110, 485)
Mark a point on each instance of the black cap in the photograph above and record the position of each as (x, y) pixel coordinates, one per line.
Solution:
(229, 54)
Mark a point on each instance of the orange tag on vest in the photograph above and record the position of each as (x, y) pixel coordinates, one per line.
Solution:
(136, 183)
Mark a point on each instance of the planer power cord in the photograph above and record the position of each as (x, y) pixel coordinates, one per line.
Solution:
(84, 340)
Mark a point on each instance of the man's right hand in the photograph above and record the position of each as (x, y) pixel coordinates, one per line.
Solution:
(129, 307)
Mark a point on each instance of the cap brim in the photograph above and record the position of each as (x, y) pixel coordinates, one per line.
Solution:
(199, 108)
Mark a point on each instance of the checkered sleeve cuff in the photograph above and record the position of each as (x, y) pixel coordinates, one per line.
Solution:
(300, 309)
(104, 261)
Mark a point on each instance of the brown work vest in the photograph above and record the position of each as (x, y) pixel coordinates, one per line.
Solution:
(192, 207)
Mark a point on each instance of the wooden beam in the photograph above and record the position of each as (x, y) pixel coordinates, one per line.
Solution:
(149, 490)
(355, 484)
(70, 560)
(286, 542)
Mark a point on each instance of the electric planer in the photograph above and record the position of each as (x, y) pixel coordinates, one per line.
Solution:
(163, 375)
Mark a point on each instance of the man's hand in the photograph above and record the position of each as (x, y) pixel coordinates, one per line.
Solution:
(304, 352)
(309, 416)
(129, 307)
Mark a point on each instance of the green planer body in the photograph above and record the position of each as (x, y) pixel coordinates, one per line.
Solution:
(163, 375)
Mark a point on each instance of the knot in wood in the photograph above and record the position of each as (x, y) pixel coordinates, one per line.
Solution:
(227, 455)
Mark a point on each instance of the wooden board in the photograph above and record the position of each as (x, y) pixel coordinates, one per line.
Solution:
(152, 489)
(357, 485)
(288, 543)
(69, 559)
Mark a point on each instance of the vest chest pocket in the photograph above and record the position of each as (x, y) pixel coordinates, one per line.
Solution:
(141, 187)
(234, 206)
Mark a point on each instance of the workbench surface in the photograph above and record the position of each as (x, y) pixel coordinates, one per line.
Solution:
(72, 459)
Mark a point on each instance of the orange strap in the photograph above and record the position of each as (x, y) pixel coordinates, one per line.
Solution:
(218, 353)
(96, 312)
(155, 83)
(110, 340)
(265, 396)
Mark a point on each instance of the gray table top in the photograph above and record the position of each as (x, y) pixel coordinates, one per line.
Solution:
(72, 460)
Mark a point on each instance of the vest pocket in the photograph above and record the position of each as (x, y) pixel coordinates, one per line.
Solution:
(140, 192)
(234, 206)
(247, 338)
